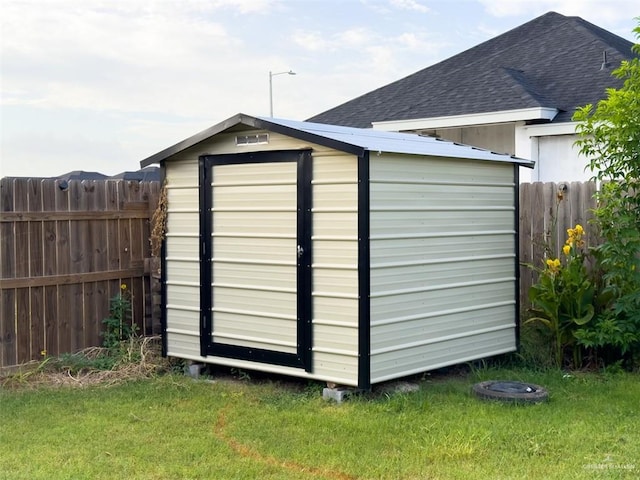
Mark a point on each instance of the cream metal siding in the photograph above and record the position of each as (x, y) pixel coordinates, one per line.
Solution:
(254, 266)
(335, 261)
(182, 262)
(442, 262)
(335, 266)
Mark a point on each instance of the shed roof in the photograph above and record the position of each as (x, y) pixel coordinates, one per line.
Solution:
(348, 139)
(552, 61)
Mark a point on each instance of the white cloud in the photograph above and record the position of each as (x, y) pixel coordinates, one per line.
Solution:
(410, 5)
(381, 58)
(312, 41)
(355, 37)
(129, 58)
(57, 35)
(413, 41)
(243, 6)
(591, 10)
(102, 59)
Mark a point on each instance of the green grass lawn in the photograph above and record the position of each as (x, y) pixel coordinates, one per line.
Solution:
(172, 427)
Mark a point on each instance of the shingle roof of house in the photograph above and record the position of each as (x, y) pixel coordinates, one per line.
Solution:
(552, 61)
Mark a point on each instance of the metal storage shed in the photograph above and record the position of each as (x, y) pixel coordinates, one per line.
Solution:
(339, 254)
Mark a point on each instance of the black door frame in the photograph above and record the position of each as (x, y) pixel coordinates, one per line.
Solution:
(303, 357)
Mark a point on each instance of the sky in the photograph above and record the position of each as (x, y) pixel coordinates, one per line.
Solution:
(99, 85)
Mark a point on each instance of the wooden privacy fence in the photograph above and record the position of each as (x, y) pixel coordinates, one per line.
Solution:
(547, 210)
(65, 250)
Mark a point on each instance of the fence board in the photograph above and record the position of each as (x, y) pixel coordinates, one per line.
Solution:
(23, 326)
(36, 320)
(63, 266)
(21, 259)
(91, 329)
(8, 355)
(137, 314)
(100, 300)
(16, 217)
(52, 327)
(113, 237)
(64, 299)
(7, 297)
(544, 220)
(564, 220)
(525, 221)
(69, 279)
(76, 265)
(65, 250)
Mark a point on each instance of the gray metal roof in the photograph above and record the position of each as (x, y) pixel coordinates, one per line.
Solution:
(348, 139)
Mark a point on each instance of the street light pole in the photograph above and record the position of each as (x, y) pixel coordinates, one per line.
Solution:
(271, 75)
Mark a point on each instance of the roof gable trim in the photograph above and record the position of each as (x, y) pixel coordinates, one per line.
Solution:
(257, 122)
(550, 129)
(504, 116)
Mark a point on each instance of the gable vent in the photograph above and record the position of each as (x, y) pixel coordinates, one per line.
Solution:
(254, 139)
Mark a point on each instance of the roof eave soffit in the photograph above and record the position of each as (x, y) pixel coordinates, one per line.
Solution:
(488, 118)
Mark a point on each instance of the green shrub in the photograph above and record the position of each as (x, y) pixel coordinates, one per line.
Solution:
(118, 325)
(609, 135)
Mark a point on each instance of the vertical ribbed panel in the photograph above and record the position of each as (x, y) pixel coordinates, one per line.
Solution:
(254, 260)
(442, 262)
(182, 264)
(335, 267)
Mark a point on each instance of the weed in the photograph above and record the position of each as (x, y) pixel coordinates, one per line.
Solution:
(240, 374)
(118, 325)
(78, 362)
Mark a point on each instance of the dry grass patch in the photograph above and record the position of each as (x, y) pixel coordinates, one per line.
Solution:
(137, 358)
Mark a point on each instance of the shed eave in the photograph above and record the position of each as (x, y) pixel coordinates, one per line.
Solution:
(193, 140)
(379, 141)
(256, 122)
(355, 141)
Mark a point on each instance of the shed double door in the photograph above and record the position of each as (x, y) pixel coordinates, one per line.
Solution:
(256, 249)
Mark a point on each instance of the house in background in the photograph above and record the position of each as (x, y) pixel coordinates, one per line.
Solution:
(515, 94)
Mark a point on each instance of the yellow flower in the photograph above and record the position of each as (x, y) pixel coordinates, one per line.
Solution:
(566, 249)
(43, 353)
(575, 236)
(123, 287)
(554, 265)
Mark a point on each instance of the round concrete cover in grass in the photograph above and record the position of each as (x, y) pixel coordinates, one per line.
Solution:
(508, 391)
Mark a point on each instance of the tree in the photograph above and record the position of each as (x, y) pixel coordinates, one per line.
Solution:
(609, 136)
